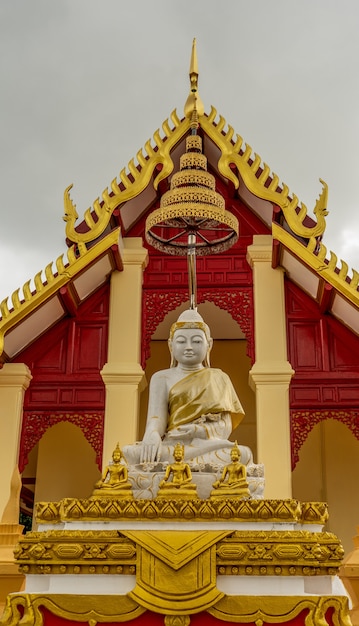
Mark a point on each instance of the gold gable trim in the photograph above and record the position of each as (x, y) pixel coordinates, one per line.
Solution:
(258, 177)
(328, 270)
(131, 184)
(78, 259)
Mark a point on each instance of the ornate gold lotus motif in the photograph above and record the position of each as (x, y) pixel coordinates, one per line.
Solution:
(70, 509)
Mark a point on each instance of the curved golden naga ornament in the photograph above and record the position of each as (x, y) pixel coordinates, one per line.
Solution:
(258, 178)
(131, 184)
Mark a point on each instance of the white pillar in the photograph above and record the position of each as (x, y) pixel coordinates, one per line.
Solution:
(271, 373)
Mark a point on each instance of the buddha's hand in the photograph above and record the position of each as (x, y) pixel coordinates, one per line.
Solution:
(183, 434)
(151, 448)
(212, 417)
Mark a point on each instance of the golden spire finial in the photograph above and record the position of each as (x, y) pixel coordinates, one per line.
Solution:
(193, 68)
(193, 101)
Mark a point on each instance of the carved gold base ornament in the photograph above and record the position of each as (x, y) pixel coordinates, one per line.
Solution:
(96, 509)
(179, 557)
(239, 553)
(95, 609)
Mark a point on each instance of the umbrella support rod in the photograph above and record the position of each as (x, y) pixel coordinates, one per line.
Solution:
(191, 263)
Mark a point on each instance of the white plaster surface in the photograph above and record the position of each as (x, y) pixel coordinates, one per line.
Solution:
(98, 584)
(280, 585)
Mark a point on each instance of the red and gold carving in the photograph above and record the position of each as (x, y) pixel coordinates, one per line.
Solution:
(302, 422)
(156, 304)
(36, 424)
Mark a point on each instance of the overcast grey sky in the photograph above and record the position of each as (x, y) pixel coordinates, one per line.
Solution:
(84, 84)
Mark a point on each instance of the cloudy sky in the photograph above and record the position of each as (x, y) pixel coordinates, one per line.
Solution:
(85, 83)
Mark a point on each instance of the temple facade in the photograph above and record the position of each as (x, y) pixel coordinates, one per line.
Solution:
(78, 350)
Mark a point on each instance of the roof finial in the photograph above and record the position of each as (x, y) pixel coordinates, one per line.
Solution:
(193, 101)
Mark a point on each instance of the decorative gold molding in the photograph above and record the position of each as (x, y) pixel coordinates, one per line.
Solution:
(176, 570)
(76, 552)
(243, 553)
(131, 184)
(282, 609)
(256, 175)
(259, 179)
(279, 553)
(70, 509)
(90, 609)
(327, 269)
(93, 609)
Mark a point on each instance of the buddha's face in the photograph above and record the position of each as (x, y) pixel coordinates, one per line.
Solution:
(116, 456)
(189, 346)
(178, 454)
(235, 454)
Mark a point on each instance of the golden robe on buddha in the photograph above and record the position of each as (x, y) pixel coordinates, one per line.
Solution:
(206, 403)
(206, 391)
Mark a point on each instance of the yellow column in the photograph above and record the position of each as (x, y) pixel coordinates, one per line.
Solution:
(14, 380)
(271, 373)
(122, 374)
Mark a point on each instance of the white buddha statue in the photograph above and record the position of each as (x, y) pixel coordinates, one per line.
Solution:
(190, 403)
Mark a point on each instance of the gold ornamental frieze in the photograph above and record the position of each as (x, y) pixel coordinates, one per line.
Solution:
(242, 552)
(111, 509)
(279, 553)
(76, 552)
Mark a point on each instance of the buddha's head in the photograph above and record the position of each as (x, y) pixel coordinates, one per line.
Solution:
(178, 452)
(190, 340)
(235, 452)
(117, 454)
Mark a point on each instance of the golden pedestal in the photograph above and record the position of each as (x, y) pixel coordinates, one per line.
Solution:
(238, 560)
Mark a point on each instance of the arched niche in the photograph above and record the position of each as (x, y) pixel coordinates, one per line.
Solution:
(66, 464)
(229, 353)
(328, 463)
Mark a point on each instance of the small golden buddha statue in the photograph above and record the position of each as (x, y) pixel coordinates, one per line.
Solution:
(233, 483)
(114, 482)
(177, 482)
